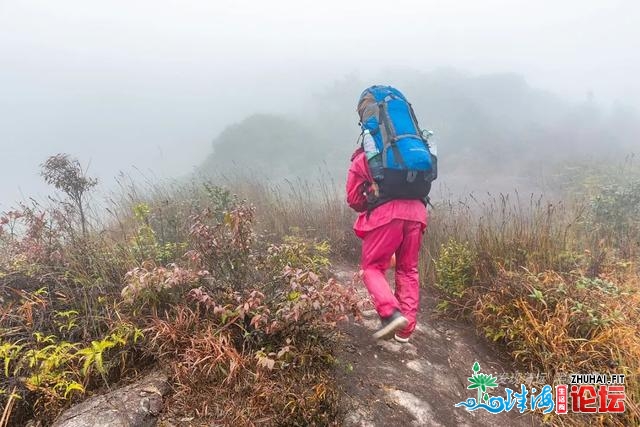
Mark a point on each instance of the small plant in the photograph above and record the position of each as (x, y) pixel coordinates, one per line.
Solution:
(9, 353)
(220, 198)
(597, 284)
(454, 268)
(93, 356)
(66, 320)
(155, 286)
(223, 248)
(297, 252)
(537, 295)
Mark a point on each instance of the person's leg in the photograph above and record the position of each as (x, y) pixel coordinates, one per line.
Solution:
(407, 280)
(378, 246)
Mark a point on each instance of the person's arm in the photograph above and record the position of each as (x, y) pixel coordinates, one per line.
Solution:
(357, 184)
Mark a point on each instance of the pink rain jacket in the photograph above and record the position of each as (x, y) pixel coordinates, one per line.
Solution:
(358, 181)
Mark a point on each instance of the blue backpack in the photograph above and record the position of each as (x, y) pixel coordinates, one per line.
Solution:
(405, 166)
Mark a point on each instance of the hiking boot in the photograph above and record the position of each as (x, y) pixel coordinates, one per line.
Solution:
(400, 339)
(390, 324)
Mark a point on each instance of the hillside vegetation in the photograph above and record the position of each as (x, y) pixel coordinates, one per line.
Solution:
(183, 281)
(226, 282)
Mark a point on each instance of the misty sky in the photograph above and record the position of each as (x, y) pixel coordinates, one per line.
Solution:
(151, 83)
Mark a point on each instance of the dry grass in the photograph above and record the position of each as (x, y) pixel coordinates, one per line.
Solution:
(178, 279)
(546, 282)
(554, 284)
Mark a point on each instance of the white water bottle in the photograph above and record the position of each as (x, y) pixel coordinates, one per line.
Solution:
(374, 158)
(369, 145)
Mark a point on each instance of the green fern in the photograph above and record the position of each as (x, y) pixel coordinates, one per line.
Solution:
(9, 352)
(94, 355)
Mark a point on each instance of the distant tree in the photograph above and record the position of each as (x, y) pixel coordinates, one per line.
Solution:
(273, 146)
(67, 175)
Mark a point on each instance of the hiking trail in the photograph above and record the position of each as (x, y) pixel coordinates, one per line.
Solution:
(386, 383)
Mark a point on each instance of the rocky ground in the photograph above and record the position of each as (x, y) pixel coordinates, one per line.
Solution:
(386, 383)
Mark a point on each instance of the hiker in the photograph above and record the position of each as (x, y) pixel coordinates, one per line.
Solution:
(392, 207)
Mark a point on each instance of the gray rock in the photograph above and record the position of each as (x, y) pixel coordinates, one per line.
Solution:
(135, 405)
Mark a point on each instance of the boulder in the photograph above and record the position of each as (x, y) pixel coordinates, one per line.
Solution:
(135, 405)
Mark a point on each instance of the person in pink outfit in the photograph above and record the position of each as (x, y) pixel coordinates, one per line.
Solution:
(392, 228)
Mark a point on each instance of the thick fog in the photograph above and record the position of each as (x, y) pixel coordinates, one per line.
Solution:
(146, 87)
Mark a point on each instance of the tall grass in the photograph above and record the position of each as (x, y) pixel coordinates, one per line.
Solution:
(507, 231)
(554, 283)
(314, 209)
(172, 275)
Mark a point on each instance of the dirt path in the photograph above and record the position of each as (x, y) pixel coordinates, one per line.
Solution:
(390, 384)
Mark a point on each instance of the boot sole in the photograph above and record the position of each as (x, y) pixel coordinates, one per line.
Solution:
(401, 340)
(393, 326)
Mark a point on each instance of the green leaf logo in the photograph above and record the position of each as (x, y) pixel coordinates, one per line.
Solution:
(481, 382)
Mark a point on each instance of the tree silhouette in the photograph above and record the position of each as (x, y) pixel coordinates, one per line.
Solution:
(66, 174)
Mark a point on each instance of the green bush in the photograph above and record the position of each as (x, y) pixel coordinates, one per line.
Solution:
(454, 267)
(613, 215)
(297, 252)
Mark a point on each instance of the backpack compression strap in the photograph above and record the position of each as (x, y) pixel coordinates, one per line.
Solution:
(391, 134)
